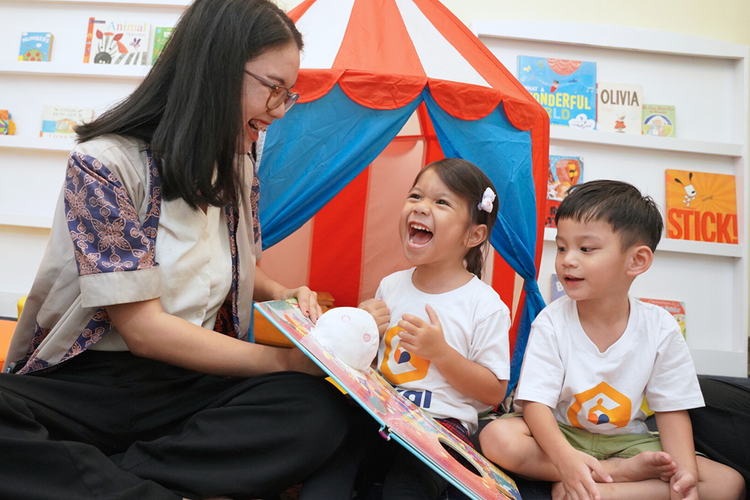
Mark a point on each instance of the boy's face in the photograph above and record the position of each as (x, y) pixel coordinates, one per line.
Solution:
(590, 262)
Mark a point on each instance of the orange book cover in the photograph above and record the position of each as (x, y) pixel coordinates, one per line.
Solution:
(701, 206)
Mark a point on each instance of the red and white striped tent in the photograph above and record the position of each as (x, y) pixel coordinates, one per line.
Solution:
(386, 87)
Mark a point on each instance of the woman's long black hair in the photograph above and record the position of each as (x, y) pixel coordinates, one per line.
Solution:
(188, 108)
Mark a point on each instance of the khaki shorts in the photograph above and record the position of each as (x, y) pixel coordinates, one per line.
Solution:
(604, 446)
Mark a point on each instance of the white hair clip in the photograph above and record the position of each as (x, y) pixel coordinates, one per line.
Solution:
(487, 198)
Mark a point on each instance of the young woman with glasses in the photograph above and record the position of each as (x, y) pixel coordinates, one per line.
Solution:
(129, 374)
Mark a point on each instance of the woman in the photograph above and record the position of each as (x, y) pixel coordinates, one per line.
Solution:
(117, 385)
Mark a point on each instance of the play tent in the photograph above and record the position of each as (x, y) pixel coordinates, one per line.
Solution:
(337, 169)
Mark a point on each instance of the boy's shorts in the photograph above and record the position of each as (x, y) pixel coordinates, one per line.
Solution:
(604, 446)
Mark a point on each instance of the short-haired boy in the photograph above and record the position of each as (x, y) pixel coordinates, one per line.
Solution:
(592, 357)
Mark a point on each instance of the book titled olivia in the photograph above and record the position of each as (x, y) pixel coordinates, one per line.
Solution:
(619, 107)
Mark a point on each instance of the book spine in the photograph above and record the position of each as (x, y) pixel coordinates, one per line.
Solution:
(89, 37)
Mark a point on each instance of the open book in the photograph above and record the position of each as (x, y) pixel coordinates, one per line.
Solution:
(400, 419)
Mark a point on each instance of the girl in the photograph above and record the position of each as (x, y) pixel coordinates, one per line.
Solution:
(447, 342)
(129, 374)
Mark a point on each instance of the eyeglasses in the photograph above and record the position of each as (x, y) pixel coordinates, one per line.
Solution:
(279, 95)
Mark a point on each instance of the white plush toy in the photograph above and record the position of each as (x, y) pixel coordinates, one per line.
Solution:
(349, 333)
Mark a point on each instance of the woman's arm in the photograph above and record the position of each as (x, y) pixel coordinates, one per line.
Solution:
(150, 332)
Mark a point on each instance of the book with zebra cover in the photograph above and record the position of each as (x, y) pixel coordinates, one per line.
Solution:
(113, 41)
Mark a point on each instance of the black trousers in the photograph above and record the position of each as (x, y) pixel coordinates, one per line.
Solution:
(110, 425)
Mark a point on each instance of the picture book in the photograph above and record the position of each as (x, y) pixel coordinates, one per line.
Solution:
(161, 37)
(7, 127)
(658, 120)
(701, 206)
(557, 288)
(58, 121)
(619, 107)
(116, 42)
(565, 88)
(35, 46)
(400, 419)
(673, 307)
(564, 172)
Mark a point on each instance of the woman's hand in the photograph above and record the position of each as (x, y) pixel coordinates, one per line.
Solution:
(378, 310)
(307, 300)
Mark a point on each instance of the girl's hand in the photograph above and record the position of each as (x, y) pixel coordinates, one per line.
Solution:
(378, 310)
(307, 300)
(421, 338)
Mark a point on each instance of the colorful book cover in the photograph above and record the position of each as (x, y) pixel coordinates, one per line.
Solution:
(58, 122)
(161, 37)
(35, 46)
(564, 172)
(619, 107)
(7, 127)
(701, 206)
(673, 307)
(565, 88)
(117, 42)
(658, 120)
(557, 288)
(401, 419)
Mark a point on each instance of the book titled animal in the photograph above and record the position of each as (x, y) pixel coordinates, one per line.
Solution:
(701, 206)
(35, 46)
(161, 37)
(564, 173)
(619, 107)
(117, 42)
(58, 122)
(658, 120)
(565, 88)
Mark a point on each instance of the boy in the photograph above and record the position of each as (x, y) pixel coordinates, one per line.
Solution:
(592, 357)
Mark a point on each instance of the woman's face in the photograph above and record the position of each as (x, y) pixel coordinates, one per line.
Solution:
(279, 66)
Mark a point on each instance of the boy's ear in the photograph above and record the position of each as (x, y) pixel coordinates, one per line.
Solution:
(477, 235)
(641, 258)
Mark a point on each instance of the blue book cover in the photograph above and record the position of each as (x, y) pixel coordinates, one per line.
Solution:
(35, 46)
(565, 88)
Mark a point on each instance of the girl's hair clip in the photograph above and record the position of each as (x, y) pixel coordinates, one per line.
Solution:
(487, 198)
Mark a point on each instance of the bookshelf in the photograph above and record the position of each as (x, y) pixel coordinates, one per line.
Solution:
(33, 168)
(707, 81)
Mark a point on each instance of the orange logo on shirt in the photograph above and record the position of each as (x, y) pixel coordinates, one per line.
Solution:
(399, 365)
(600, 406)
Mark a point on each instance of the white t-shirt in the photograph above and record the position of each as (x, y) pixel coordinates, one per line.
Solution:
(475, 322)
(602, 392)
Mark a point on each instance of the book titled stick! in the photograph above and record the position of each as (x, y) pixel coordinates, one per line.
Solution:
(701, 206)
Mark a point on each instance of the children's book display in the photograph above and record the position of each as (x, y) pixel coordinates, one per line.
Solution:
(659, 120)
(35, 46)
(401, 420)
(564, 172)
(117, 42)
(701, 206)
(161, 37)
(58, 121)
(566, 89)
(619, 108)
(7, 127)
(673, 307)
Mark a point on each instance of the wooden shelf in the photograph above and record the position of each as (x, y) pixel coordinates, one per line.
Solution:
(565, 134)
(683, 246)
(36, 143)
(78, 70)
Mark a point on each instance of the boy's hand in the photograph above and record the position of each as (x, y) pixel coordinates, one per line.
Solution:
(421, 338)
(378, 310)
(575, 474)
(683, 485)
